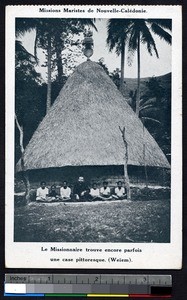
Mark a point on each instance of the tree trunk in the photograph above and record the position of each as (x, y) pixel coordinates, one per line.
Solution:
(48, 104)
(25, 173)
(122, 65)
(126, 176)
(138, 79)
(59, 64)
(35, 44)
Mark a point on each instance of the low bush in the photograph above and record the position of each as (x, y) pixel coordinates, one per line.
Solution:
(143, 194)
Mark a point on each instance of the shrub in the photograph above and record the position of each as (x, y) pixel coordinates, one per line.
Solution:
(149, 193)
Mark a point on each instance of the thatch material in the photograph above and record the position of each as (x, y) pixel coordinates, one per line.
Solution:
(82, 127)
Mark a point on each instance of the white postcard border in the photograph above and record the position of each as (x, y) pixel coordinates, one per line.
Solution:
(152, 255)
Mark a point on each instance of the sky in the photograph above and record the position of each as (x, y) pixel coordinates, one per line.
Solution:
(150, 65)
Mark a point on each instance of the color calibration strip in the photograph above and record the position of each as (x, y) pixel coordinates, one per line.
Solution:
(85, 285)
(90, 295)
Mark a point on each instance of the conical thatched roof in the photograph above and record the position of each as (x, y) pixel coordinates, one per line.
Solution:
(82, 127)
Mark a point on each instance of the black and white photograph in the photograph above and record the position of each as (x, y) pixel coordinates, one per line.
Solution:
(92, 131)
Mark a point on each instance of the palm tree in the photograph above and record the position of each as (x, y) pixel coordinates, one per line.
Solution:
(117, 38)
(24, 25)
(141, 31)
(19, 49)
(50, 33)
(29, 78)
(131, 33)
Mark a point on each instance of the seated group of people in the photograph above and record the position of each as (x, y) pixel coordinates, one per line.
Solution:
(45, 194)
(81, 192)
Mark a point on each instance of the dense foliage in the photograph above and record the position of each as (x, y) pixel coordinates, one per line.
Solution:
(59, 39)
(130, 34)
(155, 104)
(29, 95)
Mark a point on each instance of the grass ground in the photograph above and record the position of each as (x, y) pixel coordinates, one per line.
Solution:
(119, 221)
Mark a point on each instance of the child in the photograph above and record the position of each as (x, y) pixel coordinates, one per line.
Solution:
(119, 191)
(94, 192)
(42, 192)
(53, 194)
(105, 191)
(65, 192)
(87, 196)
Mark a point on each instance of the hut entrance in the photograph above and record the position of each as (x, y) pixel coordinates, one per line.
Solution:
(112, 174)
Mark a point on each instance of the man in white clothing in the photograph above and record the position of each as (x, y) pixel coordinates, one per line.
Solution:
(65, 192)
(42, 192)
(119, 191)
(94, 193)
(105, 191)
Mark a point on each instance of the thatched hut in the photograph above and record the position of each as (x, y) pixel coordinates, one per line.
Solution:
(80, 134)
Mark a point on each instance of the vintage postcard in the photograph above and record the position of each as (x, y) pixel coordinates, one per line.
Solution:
(94, 137)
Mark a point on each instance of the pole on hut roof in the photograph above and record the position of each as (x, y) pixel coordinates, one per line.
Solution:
(144, 158)
(88, 44)
(126, 176)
